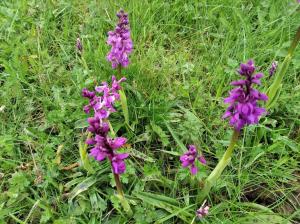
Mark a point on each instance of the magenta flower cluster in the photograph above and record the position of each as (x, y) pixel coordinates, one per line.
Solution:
(189, 158)
(102, 105)
(202, 211)
(79, 45)
(120, 42)
(273, 68)
(243, 101)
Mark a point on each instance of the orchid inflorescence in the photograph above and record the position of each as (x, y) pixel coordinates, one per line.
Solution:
(79, 45)
(189, 158)
(273, 68)
(102, 106)
(243, 101)
(202, 211)
(104, 144)
(120, 42)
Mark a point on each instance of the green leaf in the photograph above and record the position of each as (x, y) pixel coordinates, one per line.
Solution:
(161, 134)
(84, 157)
(81, 124)
(169, 204)
(273, 99)
(263, 218)
(179, 143)
(18, 183)
(169, 152)
(141, 155)
(274, 89)
(124, 106)
(174, 214)
(83, 186)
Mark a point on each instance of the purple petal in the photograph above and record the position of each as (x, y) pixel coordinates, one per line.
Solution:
(193, 169)
(101, 156)
(90, 141)
(226, 114)
(119, 167)
(192, 148)
(117, 142)
(184, 161)
(238, 83)
(202, 160)
(263, 97)
(122, 156)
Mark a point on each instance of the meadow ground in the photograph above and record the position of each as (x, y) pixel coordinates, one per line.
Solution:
(185, 55)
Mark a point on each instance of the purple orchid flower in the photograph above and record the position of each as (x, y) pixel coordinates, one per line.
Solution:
(243, 101)
(202, 211)
(120, 42)
(104, 147)
(79, 45)
(273, 68)
(189, 158)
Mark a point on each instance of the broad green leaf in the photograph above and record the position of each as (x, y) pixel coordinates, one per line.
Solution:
(124, 106)
(262, 218)
(84, 156)
(141, 155)
(174, 214)
(83, 186)
(173, 153)
(162, 135)
(274, 90)
(178, 141)
(166, 203)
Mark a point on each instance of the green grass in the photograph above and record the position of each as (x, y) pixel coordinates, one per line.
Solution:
(185, 56)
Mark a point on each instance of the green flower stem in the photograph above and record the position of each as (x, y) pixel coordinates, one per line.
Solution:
(121, 196)
(193, 221)
(274, 90)
(215, 174)
(295, 42)
(119, 69)
(118, 185)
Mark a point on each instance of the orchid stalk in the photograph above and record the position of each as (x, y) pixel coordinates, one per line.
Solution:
(121, 46)
(243, 110)
(222, 164)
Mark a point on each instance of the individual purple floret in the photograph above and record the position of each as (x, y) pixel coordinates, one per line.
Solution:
(102, 105)
(243, 101)
(79, 45)
(189, 158)
(202, 211)
(273, 68)
(120, 42)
